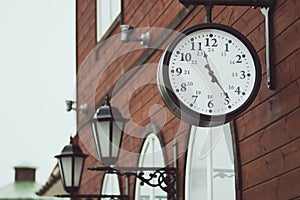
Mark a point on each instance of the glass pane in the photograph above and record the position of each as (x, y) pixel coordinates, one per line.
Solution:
(210, 166)
(151, 156)
(117, 133)
(77, 170)
(67, 167)
(110, 185)
(95, 136)
(223, 167)
(103, 138)
(61, 171)
(107, 12)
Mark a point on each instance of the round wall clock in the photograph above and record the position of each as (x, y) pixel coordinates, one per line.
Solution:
(209, 75)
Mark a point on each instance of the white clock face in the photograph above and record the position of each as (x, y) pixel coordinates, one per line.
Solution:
(211, 72)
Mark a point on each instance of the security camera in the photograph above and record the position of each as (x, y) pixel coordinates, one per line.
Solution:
(82, 108)
(69, 104)
(126, 31)
(126, 35)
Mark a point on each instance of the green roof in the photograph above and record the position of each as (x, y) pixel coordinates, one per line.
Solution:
(24, 190)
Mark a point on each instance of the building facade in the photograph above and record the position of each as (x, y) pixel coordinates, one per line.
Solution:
(255, 156)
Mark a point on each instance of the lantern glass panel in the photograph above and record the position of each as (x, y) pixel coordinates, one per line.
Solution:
(117, 137)
(61, 171)
(78, 165)
(66, 166)
(102, 137)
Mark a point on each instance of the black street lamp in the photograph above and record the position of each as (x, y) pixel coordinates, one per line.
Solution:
(107, 126)
(71, 162)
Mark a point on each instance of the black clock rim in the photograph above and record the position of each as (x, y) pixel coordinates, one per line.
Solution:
(204, 119)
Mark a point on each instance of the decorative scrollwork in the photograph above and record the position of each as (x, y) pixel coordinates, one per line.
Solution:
(165, 178)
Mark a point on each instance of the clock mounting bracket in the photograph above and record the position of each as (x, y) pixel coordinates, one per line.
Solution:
(267, 9)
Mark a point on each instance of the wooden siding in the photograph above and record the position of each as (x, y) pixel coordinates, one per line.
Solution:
(267, 133)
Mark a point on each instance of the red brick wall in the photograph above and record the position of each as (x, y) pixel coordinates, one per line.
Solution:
(268, 136)
(85, 28)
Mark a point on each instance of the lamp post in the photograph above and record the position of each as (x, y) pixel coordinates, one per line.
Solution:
(107, 127)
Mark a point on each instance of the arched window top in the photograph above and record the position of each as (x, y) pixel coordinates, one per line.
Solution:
(151, 153)
(151, 156)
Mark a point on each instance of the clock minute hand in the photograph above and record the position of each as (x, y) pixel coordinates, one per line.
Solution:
(215, 80)
(213, 77)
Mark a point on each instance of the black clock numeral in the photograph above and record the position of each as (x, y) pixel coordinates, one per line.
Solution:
(183, 87)
(211, 42)
(178, 70)
(239, 59)
(243, 75)
(200, 53)
(190, 83)
(195, 98)
(226, 98)
(193, 46)
(186, 57)
(226, 102)
(210, 104)
(238, 90)
(226, 47)
(210, 50)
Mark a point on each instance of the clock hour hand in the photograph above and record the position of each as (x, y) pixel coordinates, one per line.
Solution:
(213, 77)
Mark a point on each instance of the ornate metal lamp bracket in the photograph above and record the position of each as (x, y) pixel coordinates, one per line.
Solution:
(165, 178)
(267, 9)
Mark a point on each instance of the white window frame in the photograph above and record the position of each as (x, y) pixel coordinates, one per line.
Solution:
(211, 142)
(112, 9)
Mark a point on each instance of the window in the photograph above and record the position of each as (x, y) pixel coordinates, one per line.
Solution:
(210, 164)
(110, 185)
(151, 156)
(107, 12)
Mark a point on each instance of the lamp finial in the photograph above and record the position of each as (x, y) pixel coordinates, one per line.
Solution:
(107, 99)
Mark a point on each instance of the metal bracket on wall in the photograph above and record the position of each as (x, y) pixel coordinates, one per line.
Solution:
(267, 9)
(268, 13)
(165, 178)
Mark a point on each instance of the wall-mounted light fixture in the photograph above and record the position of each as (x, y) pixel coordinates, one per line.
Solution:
(71, 162)
(126, 35)
(82, 108)
(107, 127)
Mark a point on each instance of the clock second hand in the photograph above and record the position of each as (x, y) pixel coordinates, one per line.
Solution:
(213, 77)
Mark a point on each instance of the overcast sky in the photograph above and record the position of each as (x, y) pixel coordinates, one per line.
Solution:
(37, 62)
